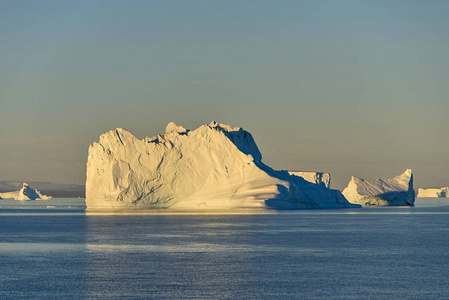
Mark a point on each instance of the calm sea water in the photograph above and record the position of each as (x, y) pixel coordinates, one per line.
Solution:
(58, 251)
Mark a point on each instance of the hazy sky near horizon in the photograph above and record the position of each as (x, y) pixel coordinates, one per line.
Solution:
(350, 87)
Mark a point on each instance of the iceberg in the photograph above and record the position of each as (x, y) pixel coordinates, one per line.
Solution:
(25, 193)
(434, 192)
(314, 177)
(395, 191)
(212, 167)
(58, 190)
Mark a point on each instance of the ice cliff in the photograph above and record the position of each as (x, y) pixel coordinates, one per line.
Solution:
(395, 191)
(25, 193)
(214, 166)
(434, 192)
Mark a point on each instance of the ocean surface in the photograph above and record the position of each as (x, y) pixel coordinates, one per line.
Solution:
(54, 250)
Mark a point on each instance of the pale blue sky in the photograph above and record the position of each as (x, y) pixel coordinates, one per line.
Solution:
(350, 87)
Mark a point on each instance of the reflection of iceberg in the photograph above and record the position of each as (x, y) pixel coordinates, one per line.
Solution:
(214, 166)
(395, 191)
(25, 193)
(168, 257)
(435, 192)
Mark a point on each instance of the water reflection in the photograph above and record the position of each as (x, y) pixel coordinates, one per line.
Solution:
(166, 256)
(288, 254)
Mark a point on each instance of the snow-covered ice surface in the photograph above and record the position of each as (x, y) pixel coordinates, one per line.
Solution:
(213, 167)
(395, 191)
(24, 194)
(434, 192)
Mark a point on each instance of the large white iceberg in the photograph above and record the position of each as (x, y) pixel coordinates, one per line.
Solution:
(395, 191)
(25, 193)
(214, 166)
(434, 192)
(314, 177)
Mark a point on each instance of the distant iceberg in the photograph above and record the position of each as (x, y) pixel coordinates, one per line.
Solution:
(434, 192)
(25, 193)
(215, 166)
(314, 177)
(395, 191)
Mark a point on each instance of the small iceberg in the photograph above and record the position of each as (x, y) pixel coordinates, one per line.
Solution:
(396, 191)
(24, 194)
(442, 192)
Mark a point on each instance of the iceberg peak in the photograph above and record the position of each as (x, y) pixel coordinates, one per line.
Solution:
(173, 127)
(406, 175)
